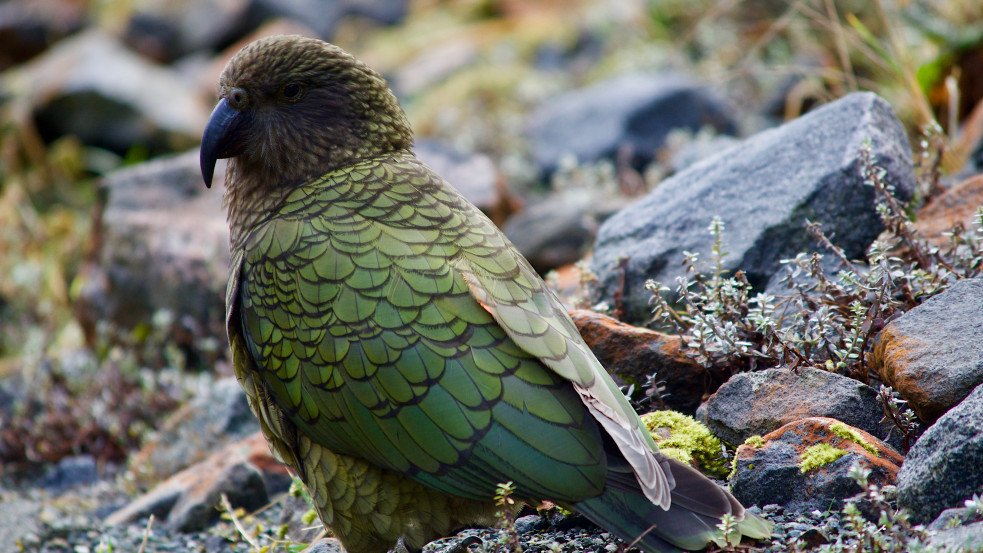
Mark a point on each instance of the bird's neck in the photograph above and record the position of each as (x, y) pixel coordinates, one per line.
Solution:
(249, 198)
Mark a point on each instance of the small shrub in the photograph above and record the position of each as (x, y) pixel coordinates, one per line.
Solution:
(824, 322)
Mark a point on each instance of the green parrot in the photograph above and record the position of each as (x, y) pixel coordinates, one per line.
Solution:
(400, 354)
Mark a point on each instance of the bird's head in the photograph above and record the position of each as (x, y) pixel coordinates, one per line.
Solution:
(293, 108)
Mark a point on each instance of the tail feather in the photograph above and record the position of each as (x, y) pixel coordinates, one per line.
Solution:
(695, 492)
(690, 523)
(636, 520)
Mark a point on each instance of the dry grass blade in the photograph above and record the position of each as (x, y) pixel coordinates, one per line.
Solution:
(146, 534)
(227, 507)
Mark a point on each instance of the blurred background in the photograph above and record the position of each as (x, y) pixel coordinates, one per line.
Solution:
(112, 267)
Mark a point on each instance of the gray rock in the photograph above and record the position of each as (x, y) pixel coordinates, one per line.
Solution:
(220, 411)
(218, 415)
(12, 389)
(962, 539)
(933, 354)
(942, 469)
(530, 523)
(28, 27)
(756, 403)
(91, 86)
(473, 175)
(324, 545)
(572, 58)
(72, 471)
(831, 265)
(773, 477)
(187, 500)
(165, 30)
(634, 112)
(164, 245)
(552, 233)
(19, 522)
(157, 502)
(169, 29)
(763, 190)
(434, 64)
(791, 95)
(953, 517)
(294, 509)
(698, 149)
(324, 16)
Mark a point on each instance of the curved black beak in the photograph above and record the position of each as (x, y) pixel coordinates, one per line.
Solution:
(221, 139)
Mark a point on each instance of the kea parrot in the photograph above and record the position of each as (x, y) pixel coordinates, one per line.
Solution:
(399, 352)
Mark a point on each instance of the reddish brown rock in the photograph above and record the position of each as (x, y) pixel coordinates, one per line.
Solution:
(933, 354)
(815, 430)
(774, 471)
(187, 500)
(570, 284)
(633, 354)
(218, 415)
(957, 206)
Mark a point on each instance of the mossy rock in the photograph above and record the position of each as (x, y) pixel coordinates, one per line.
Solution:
(819, 455)
(683, 438)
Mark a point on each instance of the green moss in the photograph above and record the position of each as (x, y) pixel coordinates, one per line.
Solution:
(309, 516)
(818, 455)
(847, 433)
(683, 438)
(755, 441)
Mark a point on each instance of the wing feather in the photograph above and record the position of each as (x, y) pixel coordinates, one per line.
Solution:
(534, 318)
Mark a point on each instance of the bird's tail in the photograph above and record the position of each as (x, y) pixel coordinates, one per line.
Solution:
(691, 521)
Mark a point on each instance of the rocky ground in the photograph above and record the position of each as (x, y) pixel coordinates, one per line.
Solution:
(764, 252)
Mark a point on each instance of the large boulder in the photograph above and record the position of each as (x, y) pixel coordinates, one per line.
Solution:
(764, 190)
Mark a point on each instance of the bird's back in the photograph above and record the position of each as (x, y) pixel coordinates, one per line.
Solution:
(370, 340)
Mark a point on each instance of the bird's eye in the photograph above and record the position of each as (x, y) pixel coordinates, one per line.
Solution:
(290, 91)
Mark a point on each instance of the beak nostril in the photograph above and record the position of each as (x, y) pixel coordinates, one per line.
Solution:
(238, 99)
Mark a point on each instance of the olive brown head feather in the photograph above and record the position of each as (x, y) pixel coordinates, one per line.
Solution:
(400, 354)
(293, 108)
